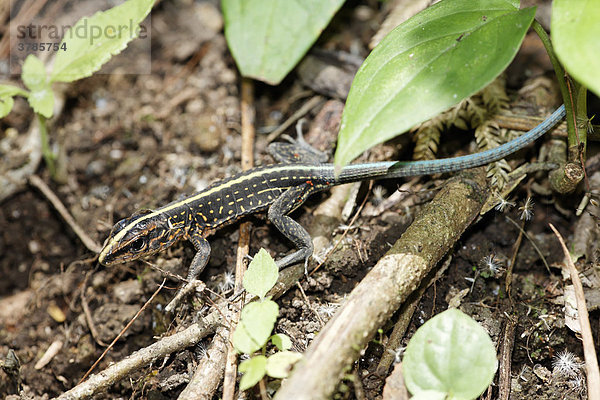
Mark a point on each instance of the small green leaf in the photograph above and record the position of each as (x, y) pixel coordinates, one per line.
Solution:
(261, 274)
(267, 38)
(6, 104)
(34, 73)
(450, 353)
(41, 98)
(427, 64)
(281, 341)
(256, 324)
(575, 33)
(42, 101)
(7, 92)
(253, 369)
(10, 91)
(280, 364)
(92, 41)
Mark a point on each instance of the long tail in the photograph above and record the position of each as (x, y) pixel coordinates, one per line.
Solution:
(397, 169)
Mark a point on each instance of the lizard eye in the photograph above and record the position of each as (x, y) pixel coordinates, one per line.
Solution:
(138, 244)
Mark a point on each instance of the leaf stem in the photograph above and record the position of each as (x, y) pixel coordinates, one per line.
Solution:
(560, 75)
(46, 152)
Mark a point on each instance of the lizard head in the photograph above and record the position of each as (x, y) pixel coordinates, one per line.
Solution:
(145, 232)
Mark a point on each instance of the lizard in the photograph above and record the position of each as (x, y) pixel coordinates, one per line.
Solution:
(279, 189)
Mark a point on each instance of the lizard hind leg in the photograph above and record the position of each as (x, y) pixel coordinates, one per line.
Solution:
(297, 150)
(286, 203)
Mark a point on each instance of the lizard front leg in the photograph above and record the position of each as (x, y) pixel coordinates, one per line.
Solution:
(198, 263)
(202, 254)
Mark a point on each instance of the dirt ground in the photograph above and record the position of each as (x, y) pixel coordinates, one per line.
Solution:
(131, 142)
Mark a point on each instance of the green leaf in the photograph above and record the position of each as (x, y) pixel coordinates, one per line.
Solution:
(429, 395)
(261, 275)
(42, 101)
(6, 104)
(281, 341)
(450, 353)
(256, 324)
(34, 76)
(253, 369)
(267, 38)
(575, 33)
(10, 91)
(7, 92)
(92, 41)
(280, 364)
(427, 64)
(34, 73)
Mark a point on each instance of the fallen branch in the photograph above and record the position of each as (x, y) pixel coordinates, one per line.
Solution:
(209, 371)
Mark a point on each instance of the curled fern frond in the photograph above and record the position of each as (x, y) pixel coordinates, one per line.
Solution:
(498, 173)
(488, 135)
(494, 96)
(427, 138)
(475, 112)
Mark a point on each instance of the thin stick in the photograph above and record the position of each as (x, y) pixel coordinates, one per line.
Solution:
(87, 241)
(88, 314)
(509, 270)
(302, 111)
(537, 249)
(589, 351)
(248, 133)
(124, 330)
(506, 349)
(331, 250)
(310, 307)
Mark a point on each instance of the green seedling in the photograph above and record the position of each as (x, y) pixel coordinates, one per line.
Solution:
(254, 330)
(77, 57)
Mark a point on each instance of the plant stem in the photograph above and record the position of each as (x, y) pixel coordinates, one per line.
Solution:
(560, 75)
(46, 152)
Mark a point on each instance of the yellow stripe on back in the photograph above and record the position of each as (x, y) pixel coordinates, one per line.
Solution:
(208, 192)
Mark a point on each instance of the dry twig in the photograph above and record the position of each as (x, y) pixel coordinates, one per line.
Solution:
(589, 350)
(248, 133)
(306, 107)
(124, 330)
(88, 242)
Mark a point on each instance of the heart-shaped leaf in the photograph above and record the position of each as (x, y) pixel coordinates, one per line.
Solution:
(450, 353)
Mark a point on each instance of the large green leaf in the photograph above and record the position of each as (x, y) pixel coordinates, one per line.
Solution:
(92, 41)
(427, 64)
(576, 39)
(450, 353)
(268, 37)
